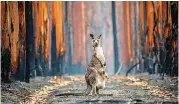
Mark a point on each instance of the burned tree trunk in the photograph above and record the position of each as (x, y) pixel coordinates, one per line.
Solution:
(50, 35)
(116, 51)
(45, 64)
(68, 30)
(29, 40)
(174, 15)
(57, 23)
(6, 64)
(53, 51)
(6, 43)
(21, 42)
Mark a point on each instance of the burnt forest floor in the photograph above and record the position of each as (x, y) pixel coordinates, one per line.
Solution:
(143, 88)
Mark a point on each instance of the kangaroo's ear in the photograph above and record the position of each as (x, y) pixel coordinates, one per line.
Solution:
(92, 36)
(99, 36)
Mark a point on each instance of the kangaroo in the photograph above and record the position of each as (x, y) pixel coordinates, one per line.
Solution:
(95, 76)
(95, 80)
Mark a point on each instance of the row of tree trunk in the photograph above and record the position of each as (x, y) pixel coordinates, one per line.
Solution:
(52, 38)
(158, 38)
(28, 48)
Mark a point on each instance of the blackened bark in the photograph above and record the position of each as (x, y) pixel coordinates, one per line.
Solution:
(45, 64)
(170, 66)
(5, 52)
(116, 51)
(167, 63)
(53, 51)
(21, 57)
(174, 14)
(61, 65)
(6, 63)
(29, 40)
(40, 59)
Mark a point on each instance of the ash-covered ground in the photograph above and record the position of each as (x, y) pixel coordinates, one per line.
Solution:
(134, 89)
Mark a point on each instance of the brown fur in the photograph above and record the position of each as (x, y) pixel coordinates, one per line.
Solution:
(95, 76)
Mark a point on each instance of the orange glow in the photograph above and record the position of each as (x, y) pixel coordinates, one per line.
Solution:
(141, 10)
(57, 19)
(150, 24)
(4, 26)
(128, 22)
(160, 18)
(83, 35)
(81, 26)
(37, 23)
(127, 47)
(14, 35)
(79, 33)
(41, 22)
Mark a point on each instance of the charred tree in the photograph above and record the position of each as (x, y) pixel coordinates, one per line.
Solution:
(50, 35)
(6, 44)
(174, 14)
(30, 59)
(45, 64)
(6, 65)
(116, 51)
(21, 42)
(68, 30)
(53, 51)
(170, 66)
(60, 65)
(57, 24)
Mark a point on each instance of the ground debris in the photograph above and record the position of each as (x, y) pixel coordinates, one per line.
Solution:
(34, 92)
(69, 89)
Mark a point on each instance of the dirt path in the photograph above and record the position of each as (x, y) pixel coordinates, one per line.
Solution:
(119, 90)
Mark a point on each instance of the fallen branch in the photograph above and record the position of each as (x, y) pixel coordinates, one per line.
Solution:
(132, 68)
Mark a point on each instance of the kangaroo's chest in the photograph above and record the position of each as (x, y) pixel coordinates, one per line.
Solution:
(99, 50)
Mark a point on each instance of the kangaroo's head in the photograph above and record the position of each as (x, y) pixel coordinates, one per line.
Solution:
(95, 40)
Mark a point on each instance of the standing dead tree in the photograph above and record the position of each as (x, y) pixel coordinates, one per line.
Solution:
(29, 40)
(164, 49)
(116, 52)
(6, 50)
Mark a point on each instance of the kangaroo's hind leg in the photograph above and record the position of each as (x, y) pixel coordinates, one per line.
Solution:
(88, 89)
(94, 89)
